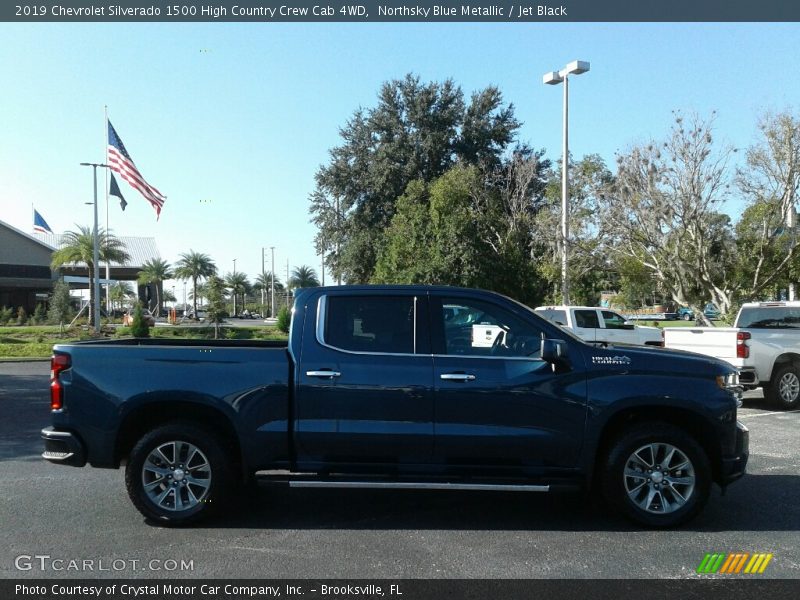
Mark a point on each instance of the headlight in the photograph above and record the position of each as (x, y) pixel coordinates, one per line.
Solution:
(728, 381)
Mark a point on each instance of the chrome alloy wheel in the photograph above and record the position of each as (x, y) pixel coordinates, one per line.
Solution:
(789, 387)
(659, 478)
(176, 476)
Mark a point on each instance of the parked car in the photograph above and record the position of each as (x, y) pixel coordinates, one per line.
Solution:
(764, 344)
(399, 387)
(127, 319)
(601, 325)
(710, 311)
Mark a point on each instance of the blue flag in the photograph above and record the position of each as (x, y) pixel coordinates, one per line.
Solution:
(39, 224)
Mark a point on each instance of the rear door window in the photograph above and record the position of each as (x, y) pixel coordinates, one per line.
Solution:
(586, 319)
(382, 324)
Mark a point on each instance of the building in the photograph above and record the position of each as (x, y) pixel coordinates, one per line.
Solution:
(26, 278)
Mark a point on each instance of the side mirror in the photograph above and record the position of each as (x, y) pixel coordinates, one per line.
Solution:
(554, 351)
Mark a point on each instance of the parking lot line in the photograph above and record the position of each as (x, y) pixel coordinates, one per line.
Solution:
(777, 412)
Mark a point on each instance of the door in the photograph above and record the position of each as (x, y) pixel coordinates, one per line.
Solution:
(365, 382)
(616, 330)
(587, 324)
(497, 403)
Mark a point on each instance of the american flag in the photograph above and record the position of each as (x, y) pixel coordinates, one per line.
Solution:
(120, 161)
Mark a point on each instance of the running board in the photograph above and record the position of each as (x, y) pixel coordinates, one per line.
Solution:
(409, 485)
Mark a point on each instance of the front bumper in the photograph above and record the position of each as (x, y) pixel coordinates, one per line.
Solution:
(63, 448)
(733, 467)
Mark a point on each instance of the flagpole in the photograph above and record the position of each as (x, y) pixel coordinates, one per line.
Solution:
(108, 265)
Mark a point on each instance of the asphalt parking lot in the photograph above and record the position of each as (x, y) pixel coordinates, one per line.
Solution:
(84, 514)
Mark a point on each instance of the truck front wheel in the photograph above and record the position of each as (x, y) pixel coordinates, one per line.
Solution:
(783, 390)
(656, 475)
(178, 473)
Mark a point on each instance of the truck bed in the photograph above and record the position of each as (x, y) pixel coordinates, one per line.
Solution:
(719, 342)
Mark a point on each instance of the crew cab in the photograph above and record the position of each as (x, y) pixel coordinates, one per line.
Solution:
(764, 344)
(400, 387)
(601, 325)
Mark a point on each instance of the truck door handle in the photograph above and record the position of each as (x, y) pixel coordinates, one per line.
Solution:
(457, 377)
(325, 373)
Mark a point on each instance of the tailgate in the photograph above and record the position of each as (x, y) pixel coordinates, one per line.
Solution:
(719, 342)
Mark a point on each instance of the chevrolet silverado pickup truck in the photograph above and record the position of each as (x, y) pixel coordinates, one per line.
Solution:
(764, 344)
(601, 325)
(400, 387)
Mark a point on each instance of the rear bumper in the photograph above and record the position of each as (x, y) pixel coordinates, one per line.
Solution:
(748, 377)
(63, 448)
(733, 467)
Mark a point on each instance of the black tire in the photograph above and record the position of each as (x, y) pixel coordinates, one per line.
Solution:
(616, 487)
(687, 317)
(783, 390)
(202, 500)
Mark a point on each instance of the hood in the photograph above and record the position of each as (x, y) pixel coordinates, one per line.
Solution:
(656, 360)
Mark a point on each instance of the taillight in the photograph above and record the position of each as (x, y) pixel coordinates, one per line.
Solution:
(742, 349)
(58, 363)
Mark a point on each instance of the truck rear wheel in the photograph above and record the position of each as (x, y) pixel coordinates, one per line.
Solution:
(178, 473)
(783, 390)
(656, 475)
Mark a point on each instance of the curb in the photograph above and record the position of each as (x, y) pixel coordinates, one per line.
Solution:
(15, 359)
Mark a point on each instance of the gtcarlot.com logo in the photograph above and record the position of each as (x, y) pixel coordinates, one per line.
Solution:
(45, 562)
(734, 563)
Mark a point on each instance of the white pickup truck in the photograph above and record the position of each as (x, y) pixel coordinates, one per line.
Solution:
(764, 344)
(601, 325)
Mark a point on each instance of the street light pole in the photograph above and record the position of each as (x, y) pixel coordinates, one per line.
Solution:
(263, 281)
(272, 285)
(96, 251)
(233, 288)
(553, 78)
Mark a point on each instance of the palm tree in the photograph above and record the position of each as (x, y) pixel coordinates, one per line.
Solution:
(195, 265)
(303, 277)
(237, 283)
(120, 292)
(156, 271)
(264, 282)
(202, 292)
(78, 247)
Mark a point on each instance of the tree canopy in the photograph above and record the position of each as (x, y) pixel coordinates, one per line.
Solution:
(416, 132)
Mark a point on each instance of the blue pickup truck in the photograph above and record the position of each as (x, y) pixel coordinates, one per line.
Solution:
(400, 387)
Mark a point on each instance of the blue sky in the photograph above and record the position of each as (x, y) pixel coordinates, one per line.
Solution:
(231, 121)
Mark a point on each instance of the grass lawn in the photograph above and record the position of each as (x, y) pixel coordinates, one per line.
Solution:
(21, 342)
(678, 323)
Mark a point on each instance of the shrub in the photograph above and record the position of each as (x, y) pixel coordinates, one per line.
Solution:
(6, 313)
(22, 316)
(39, 315)
(139, 327)
(284, 319)
(60, 310)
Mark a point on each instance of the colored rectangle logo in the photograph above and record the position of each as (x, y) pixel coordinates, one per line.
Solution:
(734, 563)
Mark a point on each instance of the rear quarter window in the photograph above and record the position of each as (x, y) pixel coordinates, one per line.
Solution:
(559, 317)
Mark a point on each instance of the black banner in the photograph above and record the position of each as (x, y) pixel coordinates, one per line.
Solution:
(733, 588)
(511, 11)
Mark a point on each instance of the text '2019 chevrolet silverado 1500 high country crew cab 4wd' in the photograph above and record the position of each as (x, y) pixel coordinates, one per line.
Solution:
(400, 386)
